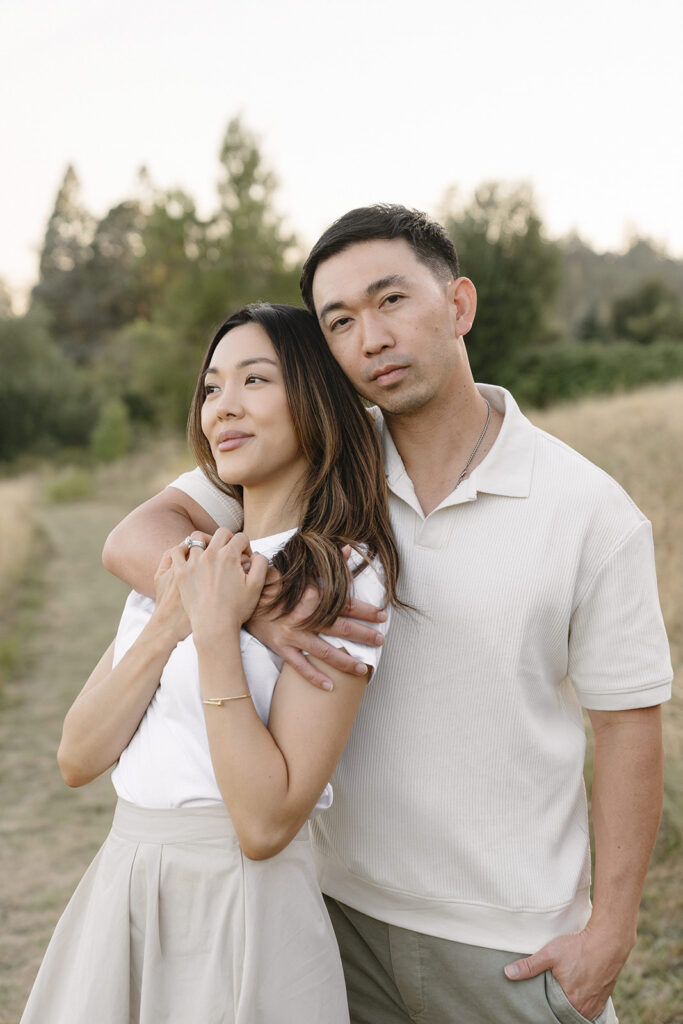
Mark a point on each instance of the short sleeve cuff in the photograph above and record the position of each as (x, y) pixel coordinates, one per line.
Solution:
(626, 700)
(224, 511)
(368, 586)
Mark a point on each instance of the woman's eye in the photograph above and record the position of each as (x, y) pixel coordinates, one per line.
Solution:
(210, 389)
(253, 379)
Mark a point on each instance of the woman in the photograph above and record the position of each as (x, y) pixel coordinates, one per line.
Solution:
(203, 904)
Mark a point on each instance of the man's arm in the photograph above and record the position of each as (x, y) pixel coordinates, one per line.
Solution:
(626, 808)
(134, 548)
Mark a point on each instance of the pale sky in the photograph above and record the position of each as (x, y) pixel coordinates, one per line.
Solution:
(354, 102)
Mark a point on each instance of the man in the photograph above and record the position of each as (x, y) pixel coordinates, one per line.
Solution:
(457, 844)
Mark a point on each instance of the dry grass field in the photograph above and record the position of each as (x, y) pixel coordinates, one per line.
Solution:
(48, 833)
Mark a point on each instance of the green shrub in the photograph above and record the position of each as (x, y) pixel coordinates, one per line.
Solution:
(45, 401)
(112, 435)
(72, 484)
(558, 373)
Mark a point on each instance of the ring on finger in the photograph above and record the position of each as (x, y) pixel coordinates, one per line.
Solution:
(192, 542)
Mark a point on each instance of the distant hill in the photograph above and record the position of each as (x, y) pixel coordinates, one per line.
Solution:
(591, 281)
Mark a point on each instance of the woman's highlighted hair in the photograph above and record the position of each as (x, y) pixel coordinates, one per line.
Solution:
(344, 500)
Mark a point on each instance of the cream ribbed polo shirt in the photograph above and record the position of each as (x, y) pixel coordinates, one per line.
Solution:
(459, 804)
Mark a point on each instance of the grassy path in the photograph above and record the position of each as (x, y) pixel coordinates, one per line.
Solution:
(49, 833)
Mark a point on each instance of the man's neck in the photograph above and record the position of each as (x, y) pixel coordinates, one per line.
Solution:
(436, 441)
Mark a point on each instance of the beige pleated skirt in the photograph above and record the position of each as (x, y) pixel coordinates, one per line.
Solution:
(172, 924)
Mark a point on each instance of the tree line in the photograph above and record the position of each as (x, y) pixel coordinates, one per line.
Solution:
(124, 306)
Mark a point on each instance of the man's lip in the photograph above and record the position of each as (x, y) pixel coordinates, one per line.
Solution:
(388, 374)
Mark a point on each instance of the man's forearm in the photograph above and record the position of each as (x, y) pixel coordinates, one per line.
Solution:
(626, 808)
(627, 795)
(134, 548)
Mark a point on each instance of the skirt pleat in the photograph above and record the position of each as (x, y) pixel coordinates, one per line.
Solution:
(171, 924)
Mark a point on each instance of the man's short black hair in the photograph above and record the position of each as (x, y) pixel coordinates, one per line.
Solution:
(426, 238)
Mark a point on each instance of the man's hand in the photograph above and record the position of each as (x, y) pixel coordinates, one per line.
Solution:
(586, 964)
(285, 637)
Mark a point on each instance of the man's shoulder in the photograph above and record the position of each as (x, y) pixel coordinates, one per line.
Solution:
(568, 475)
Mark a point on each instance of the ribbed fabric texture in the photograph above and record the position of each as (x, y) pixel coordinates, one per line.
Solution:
(459, 801)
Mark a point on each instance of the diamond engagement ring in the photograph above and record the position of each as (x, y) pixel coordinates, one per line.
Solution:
(190, 542)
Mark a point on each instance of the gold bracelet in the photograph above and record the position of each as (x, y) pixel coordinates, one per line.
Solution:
(218, 702)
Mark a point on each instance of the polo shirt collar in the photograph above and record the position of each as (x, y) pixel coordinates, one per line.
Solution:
(506, 469)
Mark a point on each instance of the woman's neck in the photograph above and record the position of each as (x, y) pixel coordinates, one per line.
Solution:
(267, 512)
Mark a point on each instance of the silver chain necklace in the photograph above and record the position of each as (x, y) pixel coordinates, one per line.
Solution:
(476, 447)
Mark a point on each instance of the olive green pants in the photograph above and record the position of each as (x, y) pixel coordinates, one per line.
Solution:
(397, 976)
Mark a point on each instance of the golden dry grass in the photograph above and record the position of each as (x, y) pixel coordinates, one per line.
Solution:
(18, 499)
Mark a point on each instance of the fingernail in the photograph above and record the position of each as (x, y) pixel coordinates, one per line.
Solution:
(512, 971)
(360, 669)
(381, 616)
(327, 685)
(379, 640)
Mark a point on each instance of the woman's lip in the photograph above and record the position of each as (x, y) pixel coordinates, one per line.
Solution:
(229, 443)
(390, 377)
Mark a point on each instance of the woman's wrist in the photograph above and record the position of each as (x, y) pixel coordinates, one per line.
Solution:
(220, 633)
(221, 673)
(163, 630)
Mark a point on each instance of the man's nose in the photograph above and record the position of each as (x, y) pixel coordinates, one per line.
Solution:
(376, 335)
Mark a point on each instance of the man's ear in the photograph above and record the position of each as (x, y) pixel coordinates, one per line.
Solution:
(463, 299)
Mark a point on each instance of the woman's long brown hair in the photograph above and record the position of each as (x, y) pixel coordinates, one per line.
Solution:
(344, 499)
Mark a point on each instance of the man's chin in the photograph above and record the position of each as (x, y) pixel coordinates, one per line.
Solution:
(400, 403)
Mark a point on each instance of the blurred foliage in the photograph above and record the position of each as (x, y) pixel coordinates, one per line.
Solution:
(653, 311)
(561, 372)
(112, 435)
(73, 483)
(45, 401)
(516, 270)
(125, 306)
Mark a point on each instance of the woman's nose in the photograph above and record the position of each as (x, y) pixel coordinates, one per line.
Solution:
(228, 405)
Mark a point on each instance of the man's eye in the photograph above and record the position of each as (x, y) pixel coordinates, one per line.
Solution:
(341, 322)
(392, 299)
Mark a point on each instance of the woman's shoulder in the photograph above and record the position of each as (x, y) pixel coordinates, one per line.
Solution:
(368, 582)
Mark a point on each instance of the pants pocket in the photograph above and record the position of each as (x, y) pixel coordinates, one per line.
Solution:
(568, 1014)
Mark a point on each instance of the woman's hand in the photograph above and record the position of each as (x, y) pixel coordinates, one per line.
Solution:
(169, 613)
(220, 586)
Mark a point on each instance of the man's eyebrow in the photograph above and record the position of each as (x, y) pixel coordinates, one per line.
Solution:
(244, 362)
(372, 289)
(385, 282)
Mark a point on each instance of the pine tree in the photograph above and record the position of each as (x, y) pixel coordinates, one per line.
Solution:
(67, 247)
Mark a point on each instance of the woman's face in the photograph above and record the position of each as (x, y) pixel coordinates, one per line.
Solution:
(245, 415)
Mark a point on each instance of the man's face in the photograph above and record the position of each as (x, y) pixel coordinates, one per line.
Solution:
(390, 322)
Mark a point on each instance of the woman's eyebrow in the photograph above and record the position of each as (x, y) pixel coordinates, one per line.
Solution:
(256, 359)
(241, 365)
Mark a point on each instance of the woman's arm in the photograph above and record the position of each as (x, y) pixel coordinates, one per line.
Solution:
(101, 721)
(270, 778)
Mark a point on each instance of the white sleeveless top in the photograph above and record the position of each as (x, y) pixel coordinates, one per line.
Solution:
(168, 762)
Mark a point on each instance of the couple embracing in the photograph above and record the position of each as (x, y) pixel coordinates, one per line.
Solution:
(452, 845)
